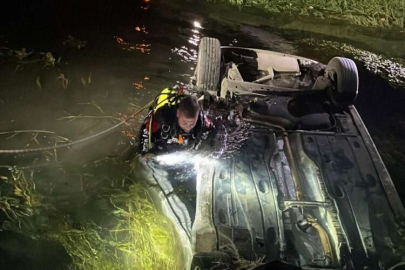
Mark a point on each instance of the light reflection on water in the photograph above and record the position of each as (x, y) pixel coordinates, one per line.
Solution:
(190, 54)
(187, 55)
(142, 47)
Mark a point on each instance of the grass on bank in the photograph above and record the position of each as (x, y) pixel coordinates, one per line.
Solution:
(374, 13)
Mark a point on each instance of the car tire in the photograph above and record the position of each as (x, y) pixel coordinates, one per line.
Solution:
(208, 64)
(345, 79)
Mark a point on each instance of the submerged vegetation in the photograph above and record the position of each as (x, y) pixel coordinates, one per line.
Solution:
(375, 13)
(140, 238)
(136, 235)
(102, 218)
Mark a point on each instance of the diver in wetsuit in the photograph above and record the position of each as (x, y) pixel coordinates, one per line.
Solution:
(175, 123)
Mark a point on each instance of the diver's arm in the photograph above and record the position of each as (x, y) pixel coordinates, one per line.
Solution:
(151, 125)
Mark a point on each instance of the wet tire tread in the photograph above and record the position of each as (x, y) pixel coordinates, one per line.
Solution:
(208, 65)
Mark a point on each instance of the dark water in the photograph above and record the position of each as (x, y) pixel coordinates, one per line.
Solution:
(134, 49)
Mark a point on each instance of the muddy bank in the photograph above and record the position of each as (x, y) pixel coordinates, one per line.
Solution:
(388, 42)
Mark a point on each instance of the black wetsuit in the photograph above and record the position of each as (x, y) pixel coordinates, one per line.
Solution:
(167, 135)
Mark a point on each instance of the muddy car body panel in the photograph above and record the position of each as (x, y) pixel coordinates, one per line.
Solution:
(305, 186)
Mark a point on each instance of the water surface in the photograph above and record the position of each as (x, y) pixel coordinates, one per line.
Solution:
(133, 50)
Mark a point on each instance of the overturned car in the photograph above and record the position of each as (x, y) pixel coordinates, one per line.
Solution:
(290, 175)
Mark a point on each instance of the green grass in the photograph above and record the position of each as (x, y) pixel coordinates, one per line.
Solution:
(374, 13)
(137, 236)
(140, 238)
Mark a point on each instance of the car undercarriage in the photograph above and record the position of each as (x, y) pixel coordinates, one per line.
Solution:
(290, 173)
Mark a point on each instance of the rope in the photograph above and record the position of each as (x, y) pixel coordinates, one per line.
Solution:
(18, 151)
